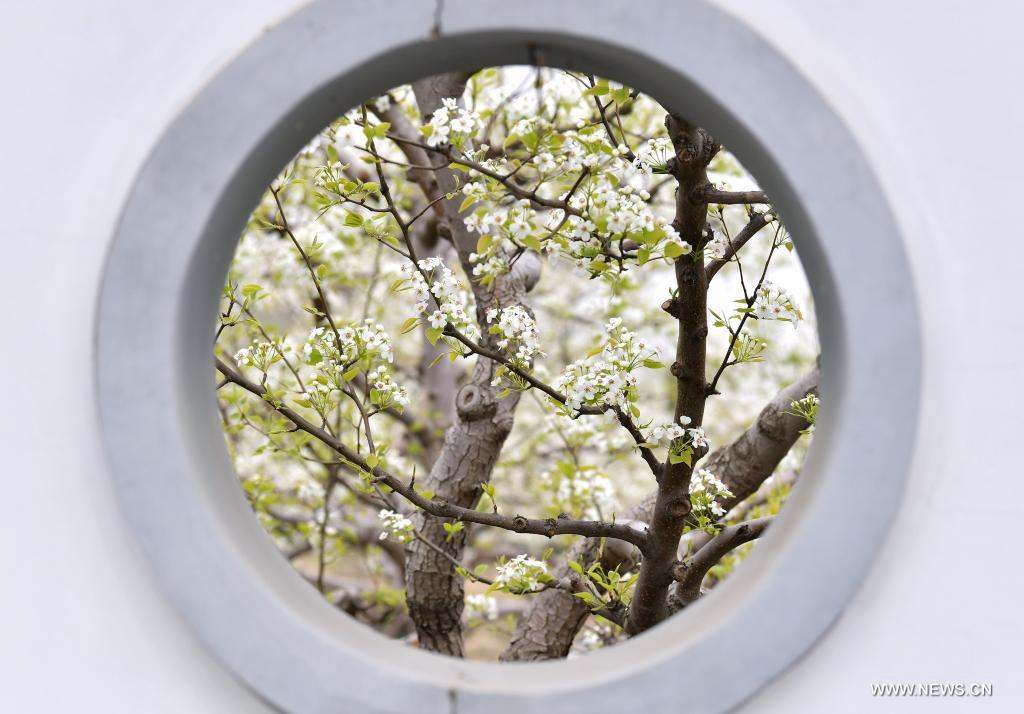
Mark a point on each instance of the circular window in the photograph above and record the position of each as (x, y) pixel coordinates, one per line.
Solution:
(178, 233)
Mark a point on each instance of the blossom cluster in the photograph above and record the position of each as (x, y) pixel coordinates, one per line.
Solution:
(517, 333)
(807, 407)
(584, 491)
(607, 379)
(320, 396)
(716, 248)
(603, 214)
(384, 391)
(522, 574)
(774, 303)
(395, 526)
(481, 608)
(261, 354)
(705, 488)
(667, 434)
(339, 352)
(680, 441)
(610, 214)
(654, 155)
(451, 124)
(497, 227)
(447, 294)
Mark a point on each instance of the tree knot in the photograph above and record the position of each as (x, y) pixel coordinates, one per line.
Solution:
(473, 403)
(681, 508)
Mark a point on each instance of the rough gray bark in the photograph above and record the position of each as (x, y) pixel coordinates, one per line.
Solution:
(473, 442)
(743, 465)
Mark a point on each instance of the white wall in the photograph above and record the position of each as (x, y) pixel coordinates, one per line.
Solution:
(931, 89)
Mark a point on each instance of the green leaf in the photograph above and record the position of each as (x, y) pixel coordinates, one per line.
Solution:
(451, 529)
(682, 457)
(532, 242)
(409, 325)
(433, 334)
(653, 364)
(372, 461)
(353, 220)
(673, 250)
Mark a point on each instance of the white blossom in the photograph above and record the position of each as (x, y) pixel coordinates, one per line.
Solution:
(606, 379)
(384, 392)
(452, 124)
(705, 489)
(545, 162)
(774, 303)
(482, 608)
(443, 300)
(395, 526)
(261, 354)
(522, 574)
(517, 333)
(654, 155)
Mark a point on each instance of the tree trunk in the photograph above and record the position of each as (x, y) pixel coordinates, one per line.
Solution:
(473, 443)
(694, 149)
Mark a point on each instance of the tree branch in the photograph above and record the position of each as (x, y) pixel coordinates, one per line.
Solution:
(710, 194)
(549, 527)
(694, 148)
(756, 223)
(690, 573)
